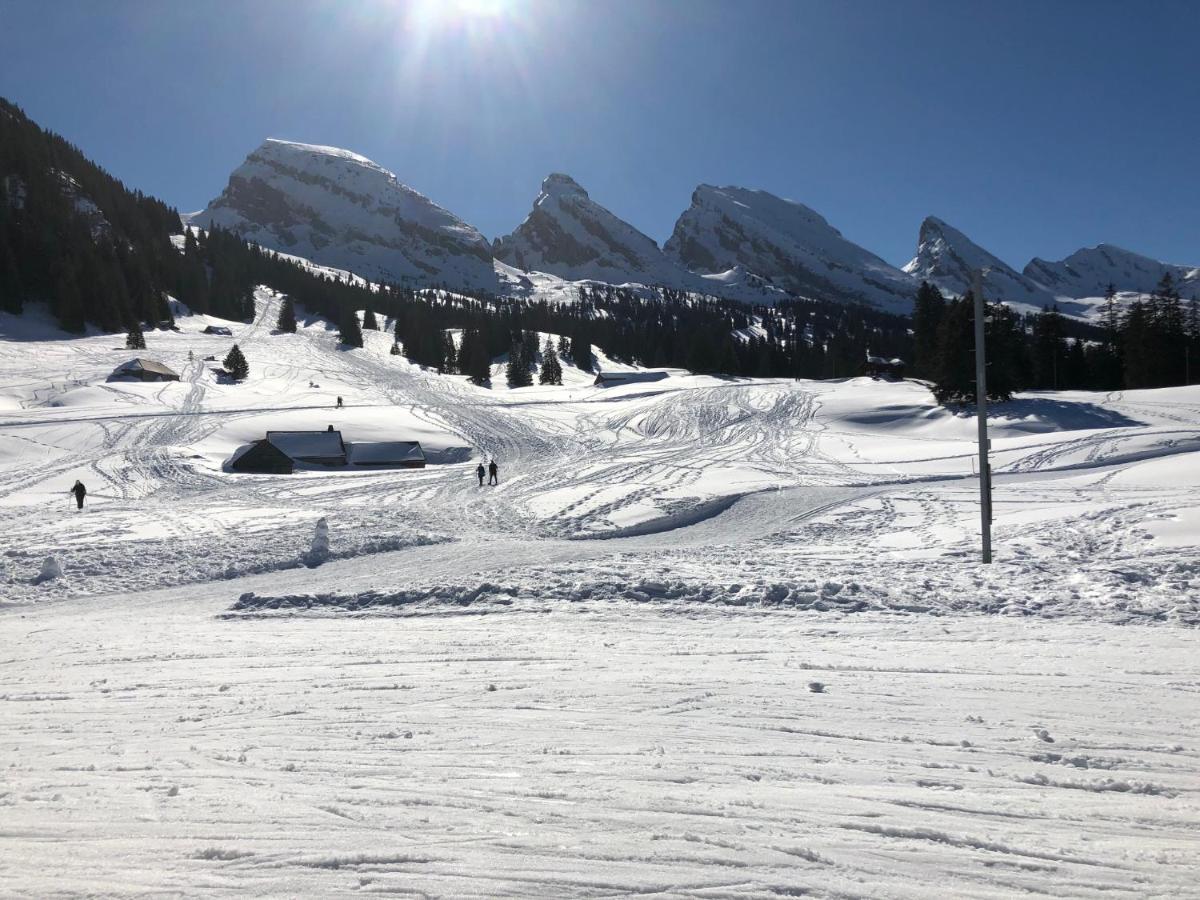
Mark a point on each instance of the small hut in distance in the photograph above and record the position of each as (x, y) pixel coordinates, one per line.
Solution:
(144, 370)
(607, 379)
(879, 367)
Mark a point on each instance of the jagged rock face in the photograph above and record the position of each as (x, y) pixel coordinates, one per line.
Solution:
(949, 259)
(342, 210)
(570, 235)
(786, 243)
(1089, 272)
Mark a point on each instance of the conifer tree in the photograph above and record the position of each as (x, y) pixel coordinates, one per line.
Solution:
(551, 369)
(1136, 346)
(473, 357)
(135, 340)
(369, 320)
(1049, 348)
(287, 316)
(928, 309)
(235, 364)
(449, 353)
(350, 333)
(517, 370)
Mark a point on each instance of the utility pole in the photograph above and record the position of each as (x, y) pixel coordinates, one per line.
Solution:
(985, 468)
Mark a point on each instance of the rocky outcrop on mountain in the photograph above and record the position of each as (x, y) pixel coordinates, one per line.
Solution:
(1089, 272)
(949, 259)
(786, 243)
(342, 210)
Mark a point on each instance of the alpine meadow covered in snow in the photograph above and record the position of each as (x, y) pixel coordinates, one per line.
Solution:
(349, 551)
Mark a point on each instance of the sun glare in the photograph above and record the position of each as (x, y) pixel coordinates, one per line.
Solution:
(432, 13)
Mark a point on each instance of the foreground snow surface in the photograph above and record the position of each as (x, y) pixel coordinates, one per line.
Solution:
(592, 750)
(708, 637)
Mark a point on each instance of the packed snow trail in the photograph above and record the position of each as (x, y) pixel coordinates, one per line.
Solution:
(589, 750)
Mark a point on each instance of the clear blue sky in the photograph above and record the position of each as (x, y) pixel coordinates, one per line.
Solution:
(1035, 127)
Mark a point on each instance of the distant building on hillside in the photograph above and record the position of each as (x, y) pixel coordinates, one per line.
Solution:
(280, 451)
(387, 454)
(320, 448)
(878, 367)
(264, 458)
(218, 329)
(608, 379)
(144, 370)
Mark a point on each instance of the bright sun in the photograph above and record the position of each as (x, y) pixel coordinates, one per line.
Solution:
(451, 12)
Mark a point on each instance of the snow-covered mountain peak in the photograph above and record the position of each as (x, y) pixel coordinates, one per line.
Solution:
(949, 259)
(571, 235)
(1089, 271)
(340, 209)
(787, 243)
(556, 184)
(294, 151)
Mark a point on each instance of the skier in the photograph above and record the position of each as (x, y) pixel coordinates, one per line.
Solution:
(80, 492)
(339, 403)
(480, 473)
(493, 470)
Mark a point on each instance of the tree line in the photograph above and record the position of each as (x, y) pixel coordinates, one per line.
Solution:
(1150, 343)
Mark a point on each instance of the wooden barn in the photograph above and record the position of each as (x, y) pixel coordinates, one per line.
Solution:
(218, 329)
(610, 379)
(387, 454)
(319, 448)
(879, 367)
(145, 370)
(263, 457)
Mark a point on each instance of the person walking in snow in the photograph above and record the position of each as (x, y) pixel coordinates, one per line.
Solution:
(80, 492)
(493, 473)
(339, 403)
(479, 471)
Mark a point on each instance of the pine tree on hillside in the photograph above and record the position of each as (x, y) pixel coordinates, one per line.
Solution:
(473, 357)
(135, 340)
(928, 310)
(517, 370)
(350, 333)
(955, 373)
(1049, 348)
(551, 369)
(369, 320)
(287, 316)
(449, 353)
(235, 364)
(581, 352)
(1110, 316)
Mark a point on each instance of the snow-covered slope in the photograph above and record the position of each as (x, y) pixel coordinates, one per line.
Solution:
(340, 209)
(1089, 272)
(785, 242)
(948, 258)
(707, 636)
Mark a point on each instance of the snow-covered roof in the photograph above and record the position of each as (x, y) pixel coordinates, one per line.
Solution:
(883, 361)
(631, 376)
(382, 453)
(309, 444)
(146, 365)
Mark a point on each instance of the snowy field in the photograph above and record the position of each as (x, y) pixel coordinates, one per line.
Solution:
(709, 637)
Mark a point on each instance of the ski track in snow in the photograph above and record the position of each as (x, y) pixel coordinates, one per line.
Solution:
(707, 638)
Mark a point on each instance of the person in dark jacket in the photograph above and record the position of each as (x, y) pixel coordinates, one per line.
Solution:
(493, 470)
(479, 471)
(80, 492)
